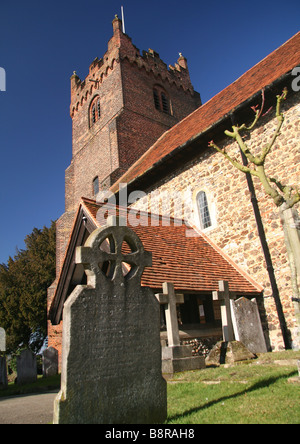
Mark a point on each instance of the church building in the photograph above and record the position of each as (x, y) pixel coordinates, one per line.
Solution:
(138, 123)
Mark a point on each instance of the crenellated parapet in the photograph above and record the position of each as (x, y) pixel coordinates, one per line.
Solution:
(121, 49)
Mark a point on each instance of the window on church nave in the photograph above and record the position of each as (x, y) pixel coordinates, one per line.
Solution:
(161, 100)
(94, 114)
(203, 208)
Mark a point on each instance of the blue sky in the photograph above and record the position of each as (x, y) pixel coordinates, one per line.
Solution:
(42, 43)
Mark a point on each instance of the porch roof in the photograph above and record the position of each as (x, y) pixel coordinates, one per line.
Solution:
(193, 263)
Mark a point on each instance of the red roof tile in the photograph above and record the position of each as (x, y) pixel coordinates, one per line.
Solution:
(278, 63)
(191, 263)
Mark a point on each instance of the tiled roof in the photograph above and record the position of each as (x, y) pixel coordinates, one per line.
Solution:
(275, 65)
(191, 263)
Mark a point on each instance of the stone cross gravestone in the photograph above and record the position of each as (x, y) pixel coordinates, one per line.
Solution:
(26, 367)
(2, 340)
(176, 357)
(50, 362)
(224, 296)
(111, 355)
(169, 299)
(229, 350)
(247, 325)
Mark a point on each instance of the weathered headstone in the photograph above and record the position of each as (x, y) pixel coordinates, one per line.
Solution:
(3, 372)
(111, 356)
(247, 325)
(3, 367)
(176, 357)
(2, 340)
(50, 362)
(228, 353)
(26, 367)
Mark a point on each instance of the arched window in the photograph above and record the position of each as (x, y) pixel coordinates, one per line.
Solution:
(203, 209)
(94, 114)
(165, 103)
(96, 186)
(161, 100)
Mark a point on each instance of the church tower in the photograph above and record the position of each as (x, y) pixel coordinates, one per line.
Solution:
(126, 102)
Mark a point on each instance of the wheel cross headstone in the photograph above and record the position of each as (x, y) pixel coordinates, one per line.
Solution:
(109, 250)
(170, 299)
(111, 354)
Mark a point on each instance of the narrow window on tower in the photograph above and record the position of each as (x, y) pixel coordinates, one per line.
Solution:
(165, 103)
(161, 100)
(204, 215)
(96, 186)
(156, 99)
(94, 114)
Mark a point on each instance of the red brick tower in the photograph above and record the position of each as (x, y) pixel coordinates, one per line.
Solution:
(121, 108)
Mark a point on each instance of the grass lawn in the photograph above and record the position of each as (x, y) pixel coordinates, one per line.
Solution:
(40, 386)
(247, 393)
(256, 392)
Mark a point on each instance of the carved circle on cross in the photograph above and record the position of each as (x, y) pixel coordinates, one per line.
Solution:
(116, 253)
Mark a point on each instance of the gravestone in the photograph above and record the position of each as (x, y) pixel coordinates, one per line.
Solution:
(26, 367)
(247, 325)
(50, 362)
(3, 373)
(176, 357)
(169, 299)
(2, 340)
(111, 355)
(3, 367)
(224, 296)
(231, 349)
(230, 352)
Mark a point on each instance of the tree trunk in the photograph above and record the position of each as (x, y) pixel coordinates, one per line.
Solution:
(291, 227)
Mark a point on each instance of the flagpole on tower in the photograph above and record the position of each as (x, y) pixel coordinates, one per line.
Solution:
(123, 21)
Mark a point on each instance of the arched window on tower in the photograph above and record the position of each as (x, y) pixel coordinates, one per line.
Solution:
(203, 209)
(161, 99)
(94, 113)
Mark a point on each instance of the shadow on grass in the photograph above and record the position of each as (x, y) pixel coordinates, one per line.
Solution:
(259, 385)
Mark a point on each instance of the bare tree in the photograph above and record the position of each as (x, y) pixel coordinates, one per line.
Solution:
(284, 196)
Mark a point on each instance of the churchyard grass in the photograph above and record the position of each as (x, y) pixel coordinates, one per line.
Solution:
(255, 392)
(40, 386)
(251, 393)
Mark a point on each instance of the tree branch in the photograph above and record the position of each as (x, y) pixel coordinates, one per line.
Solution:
(280, 120)
(234, 162)
(289, 195)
